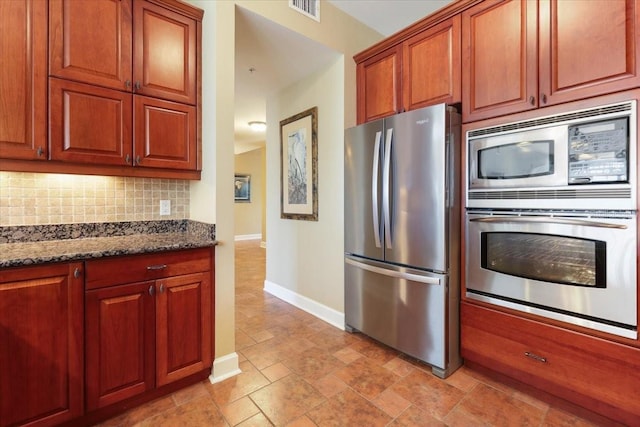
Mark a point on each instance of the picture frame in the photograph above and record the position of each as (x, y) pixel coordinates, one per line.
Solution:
(299, 166)
(242, 188)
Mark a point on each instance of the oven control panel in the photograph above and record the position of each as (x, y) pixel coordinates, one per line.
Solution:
(598, 152)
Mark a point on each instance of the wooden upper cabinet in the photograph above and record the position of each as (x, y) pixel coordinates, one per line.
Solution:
(41, 344)
(90, 42)
(165, 134)
(89, 124)
(164, 48)
(431, 66)
(379, 85)
(521, 54)
(23, 80)
(588, 48)
(499, 58)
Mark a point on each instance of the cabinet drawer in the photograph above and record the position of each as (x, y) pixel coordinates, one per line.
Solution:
(592, 372)
(127, 269)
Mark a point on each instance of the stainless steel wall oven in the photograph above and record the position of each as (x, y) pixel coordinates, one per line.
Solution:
(551, 225)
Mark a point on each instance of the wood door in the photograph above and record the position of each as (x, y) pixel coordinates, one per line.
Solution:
(89, 124)
(379, 88)
(23, 80)
(41, 344)
(499, 59)
(165, 134)
(588, 48)
(164, 53)
(183, 326)
(90, 41)
(431, 66)
(120, 353)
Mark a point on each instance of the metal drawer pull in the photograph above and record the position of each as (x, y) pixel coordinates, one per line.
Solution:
(535, 357)
(152, 290)
(157, 267)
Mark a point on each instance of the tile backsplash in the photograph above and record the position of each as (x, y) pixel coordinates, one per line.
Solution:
(35, 198)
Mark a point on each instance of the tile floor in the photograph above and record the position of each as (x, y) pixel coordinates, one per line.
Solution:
(299, 371)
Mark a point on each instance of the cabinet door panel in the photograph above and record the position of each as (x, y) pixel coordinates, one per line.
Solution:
(89, 124)
(431, 66)
(183, 319)
(90, 41)
(579, 60)
(379, 88)
(120, 343)
(165, 134)
(499, 73)
(164, 53)
(23, 79)
(41, 345)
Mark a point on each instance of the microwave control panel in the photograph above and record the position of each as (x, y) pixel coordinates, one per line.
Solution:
(598, 152)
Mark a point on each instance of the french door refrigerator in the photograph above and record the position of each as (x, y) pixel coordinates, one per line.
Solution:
(402, 222)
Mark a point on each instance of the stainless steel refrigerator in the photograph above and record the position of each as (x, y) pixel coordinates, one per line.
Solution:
(402, 222)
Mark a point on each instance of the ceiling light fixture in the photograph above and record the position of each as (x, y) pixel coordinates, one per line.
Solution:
(258, 126)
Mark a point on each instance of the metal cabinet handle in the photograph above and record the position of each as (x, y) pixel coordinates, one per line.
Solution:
(535, 357)
(543, 98)
(137, 85)
(138, 160)
(127, 159)
(127, 84)
(152, 290)
(39, 151)
(157, 267)
(77, 273)
(532, 100)
(161, 287)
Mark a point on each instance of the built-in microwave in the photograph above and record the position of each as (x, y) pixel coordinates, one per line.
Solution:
(578, 160)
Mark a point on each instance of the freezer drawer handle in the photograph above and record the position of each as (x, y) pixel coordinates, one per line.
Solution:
(391, 273)
(374, 189)
(386, 176)
(564, 221)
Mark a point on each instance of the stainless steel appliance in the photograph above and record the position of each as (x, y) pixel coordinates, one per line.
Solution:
(402, 216)
(578, 160)
(551, 225)
(577, 267)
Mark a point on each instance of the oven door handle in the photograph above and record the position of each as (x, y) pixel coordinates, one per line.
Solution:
(563, 221)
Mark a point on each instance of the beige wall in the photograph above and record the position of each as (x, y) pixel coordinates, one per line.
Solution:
(212, 197)
(306, 257)
(39, 198)
(248, 215)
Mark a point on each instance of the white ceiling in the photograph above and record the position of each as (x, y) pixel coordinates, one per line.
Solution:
(270, 57)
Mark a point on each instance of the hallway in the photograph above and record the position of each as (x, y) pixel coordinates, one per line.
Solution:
(299, 371)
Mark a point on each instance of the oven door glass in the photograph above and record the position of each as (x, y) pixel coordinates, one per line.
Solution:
(518, 160)
(546, 257)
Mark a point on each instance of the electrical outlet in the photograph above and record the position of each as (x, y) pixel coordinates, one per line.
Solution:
(165, 207)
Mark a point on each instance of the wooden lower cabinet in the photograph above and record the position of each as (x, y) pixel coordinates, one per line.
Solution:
(600, 375)
(41, 344)
(144, 335)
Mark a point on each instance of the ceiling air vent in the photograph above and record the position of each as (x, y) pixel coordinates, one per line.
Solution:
(310, 8)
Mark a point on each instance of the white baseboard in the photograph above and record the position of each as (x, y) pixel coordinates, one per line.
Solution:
(224, 367)
(248, 237)
(321, 311)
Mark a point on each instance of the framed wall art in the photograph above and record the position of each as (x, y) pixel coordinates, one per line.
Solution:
(299, 166)
(242, 188)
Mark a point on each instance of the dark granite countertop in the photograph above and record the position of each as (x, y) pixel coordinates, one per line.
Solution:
(30, 245)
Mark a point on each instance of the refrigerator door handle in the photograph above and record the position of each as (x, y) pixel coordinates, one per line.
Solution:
(392, 273)
(386, 182)
(374, 189)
